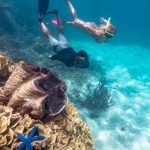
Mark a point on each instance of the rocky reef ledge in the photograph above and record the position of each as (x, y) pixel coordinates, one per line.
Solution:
(33, 96)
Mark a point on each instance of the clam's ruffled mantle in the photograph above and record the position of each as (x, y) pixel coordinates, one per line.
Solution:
(33, 96)
(34, 90)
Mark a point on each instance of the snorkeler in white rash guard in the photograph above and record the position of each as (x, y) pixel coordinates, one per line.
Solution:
(100, 33)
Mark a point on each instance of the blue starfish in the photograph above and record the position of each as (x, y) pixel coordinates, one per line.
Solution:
(26, 141)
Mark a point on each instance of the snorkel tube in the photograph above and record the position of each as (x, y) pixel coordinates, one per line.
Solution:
(107, 33)
(108, 23)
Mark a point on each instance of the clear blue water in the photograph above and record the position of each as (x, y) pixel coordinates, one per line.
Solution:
(126, 125)
(126, 59)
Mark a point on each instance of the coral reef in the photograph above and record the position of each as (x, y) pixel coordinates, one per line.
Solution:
(65, 131)
(5, 67)
(34, 96)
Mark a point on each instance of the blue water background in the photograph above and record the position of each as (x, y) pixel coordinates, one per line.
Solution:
(126, 60)
(132, 18)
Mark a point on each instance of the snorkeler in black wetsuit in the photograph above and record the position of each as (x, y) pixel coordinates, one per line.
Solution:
(64, 52)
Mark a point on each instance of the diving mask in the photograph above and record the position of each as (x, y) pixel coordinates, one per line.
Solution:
(108, 33)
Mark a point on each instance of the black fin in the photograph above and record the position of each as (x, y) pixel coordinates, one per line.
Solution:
(42, 7)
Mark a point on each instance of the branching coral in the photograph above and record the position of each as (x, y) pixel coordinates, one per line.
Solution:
(96, 98)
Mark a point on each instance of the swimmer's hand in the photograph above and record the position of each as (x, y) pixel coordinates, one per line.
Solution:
(102, 20)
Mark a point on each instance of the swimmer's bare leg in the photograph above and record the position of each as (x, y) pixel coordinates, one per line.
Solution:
(47, 33)
(60, 26)
(44, 29)
(72, 9)
(58, 18)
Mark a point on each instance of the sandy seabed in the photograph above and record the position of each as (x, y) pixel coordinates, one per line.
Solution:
(126, 125)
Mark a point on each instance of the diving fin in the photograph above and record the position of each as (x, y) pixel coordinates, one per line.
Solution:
(42, 7)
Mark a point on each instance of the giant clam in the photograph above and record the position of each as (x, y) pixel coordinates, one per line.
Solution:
(30, 90)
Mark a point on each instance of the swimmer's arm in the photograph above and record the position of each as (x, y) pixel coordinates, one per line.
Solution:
(104, 21)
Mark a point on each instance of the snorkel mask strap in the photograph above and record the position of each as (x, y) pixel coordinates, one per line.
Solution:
(109, 35)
